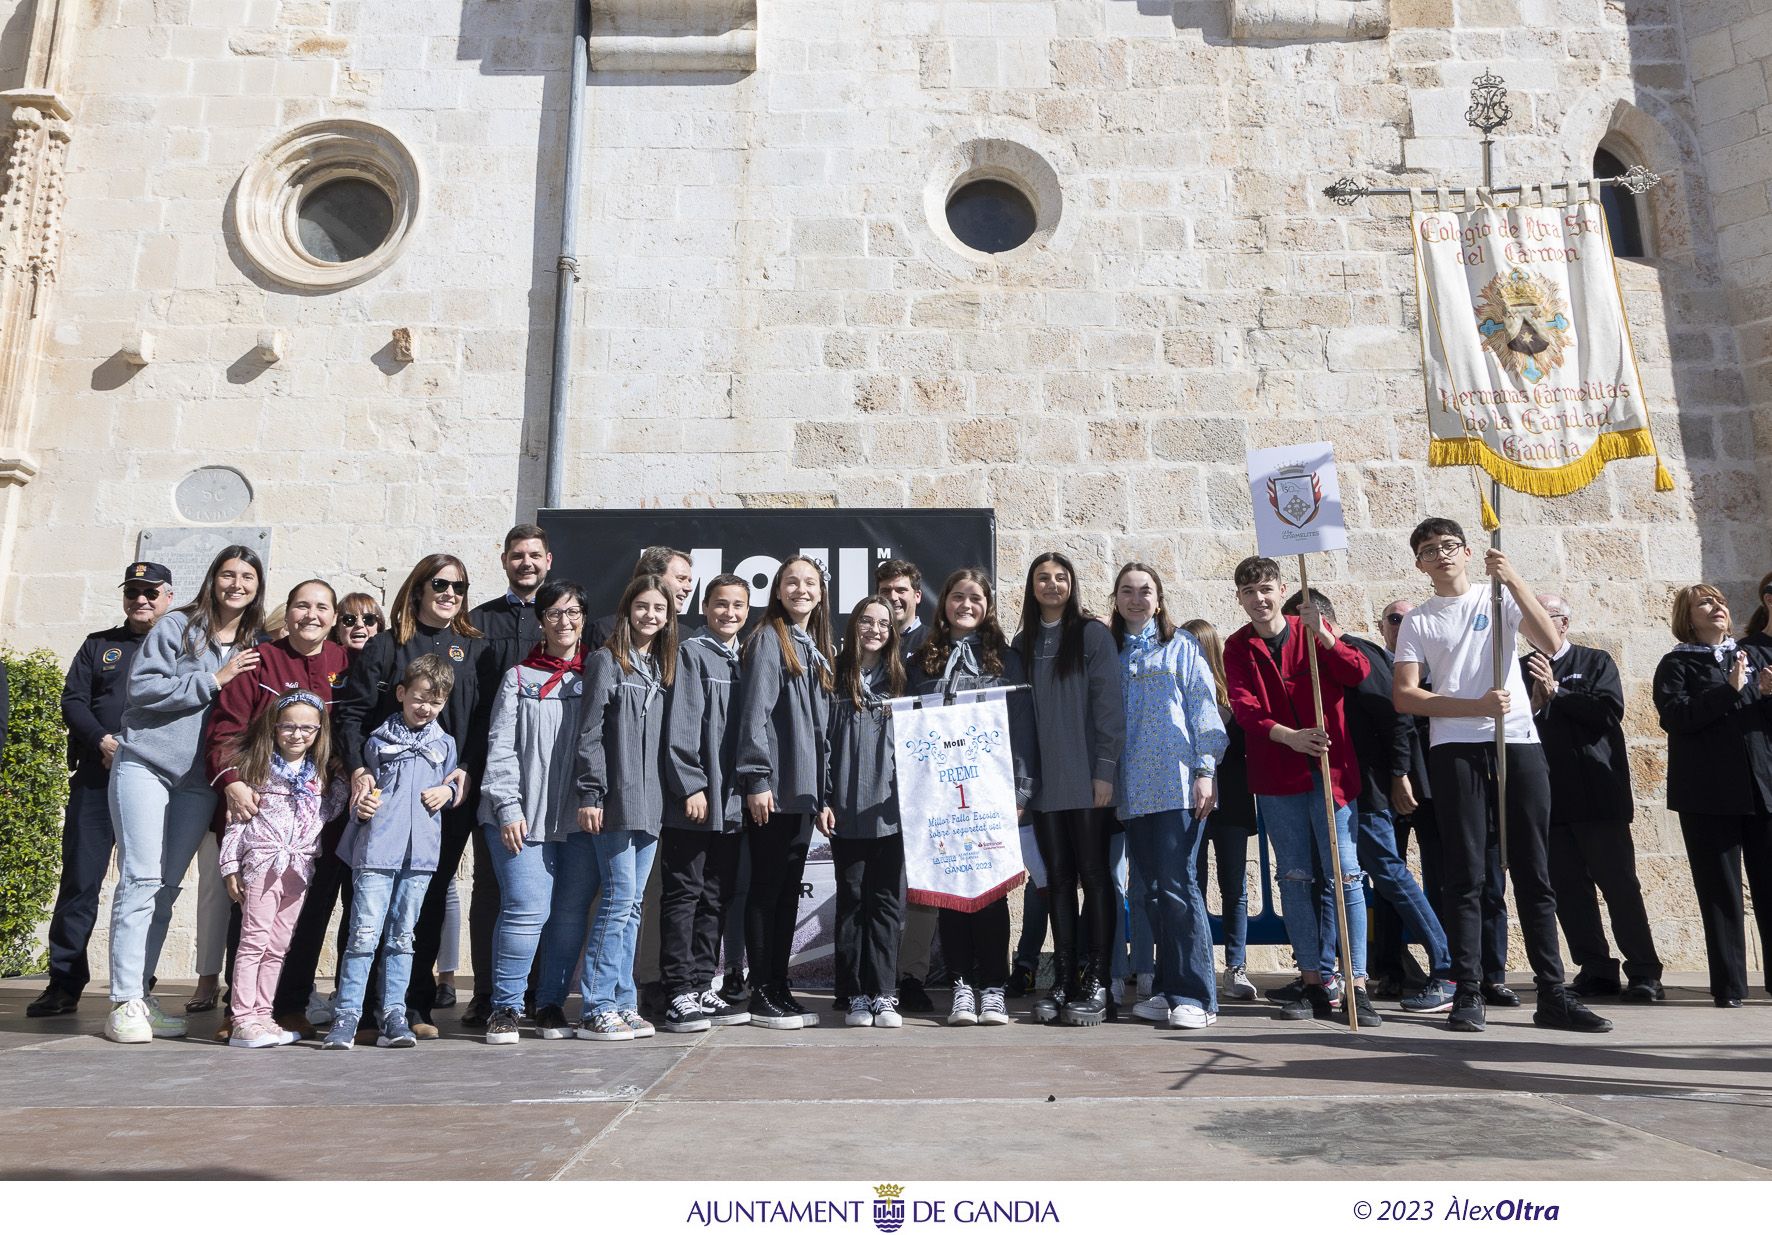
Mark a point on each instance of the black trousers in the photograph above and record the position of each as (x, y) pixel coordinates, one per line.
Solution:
(1074, 846)
(1720, 848)
(1385, 955)
(772, 903)
(1586, 856)
(870, 913)
(975, 946)
(1464, 793)
(459, 831)
(87, 839)
(699, 870)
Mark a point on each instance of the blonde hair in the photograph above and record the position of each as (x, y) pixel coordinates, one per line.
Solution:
(1681, 621)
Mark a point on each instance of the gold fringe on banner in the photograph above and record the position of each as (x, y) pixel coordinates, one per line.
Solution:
(1549, 481)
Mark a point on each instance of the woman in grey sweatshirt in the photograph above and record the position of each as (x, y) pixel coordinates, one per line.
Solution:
(161, 805)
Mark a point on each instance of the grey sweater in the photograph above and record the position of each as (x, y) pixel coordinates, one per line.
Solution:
(530, 753)
(620, 740)
(784, 739)
(701, 746)
(862, 793)
(1080, 719)
(168, 699)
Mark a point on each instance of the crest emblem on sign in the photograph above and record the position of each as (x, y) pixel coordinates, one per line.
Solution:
(1525, 324)
(1297, 497)
(888, 1207)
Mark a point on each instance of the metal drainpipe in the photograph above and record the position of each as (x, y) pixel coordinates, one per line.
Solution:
(567, 265)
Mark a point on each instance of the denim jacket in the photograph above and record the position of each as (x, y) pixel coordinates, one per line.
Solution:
(1173, 729)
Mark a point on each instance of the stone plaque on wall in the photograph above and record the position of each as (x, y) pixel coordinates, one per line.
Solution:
(187, 551)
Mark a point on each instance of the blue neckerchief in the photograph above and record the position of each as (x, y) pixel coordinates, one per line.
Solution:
(727, 650)
(298, 776)
(1724, 651)
(399, 741)
(1143, 643)
(809, 652)
(963, 657)
(870, 680)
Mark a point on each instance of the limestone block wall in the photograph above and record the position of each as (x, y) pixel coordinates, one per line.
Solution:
(771, 311)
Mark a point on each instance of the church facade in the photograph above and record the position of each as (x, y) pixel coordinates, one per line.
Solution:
(292, 269)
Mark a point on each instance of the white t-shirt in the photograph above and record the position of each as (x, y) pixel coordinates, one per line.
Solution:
(1450, 636)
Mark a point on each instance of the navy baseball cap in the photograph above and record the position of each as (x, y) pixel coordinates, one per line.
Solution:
(146, 572)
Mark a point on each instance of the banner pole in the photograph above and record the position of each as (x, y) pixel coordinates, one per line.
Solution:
(1495, 593)
(1347, 955)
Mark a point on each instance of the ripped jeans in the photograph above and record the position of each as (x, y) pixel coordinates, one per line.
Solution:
(1291, 821)
(384, 909)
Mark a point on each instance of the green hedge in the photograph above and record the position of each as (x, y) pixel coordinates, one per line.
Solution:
(33, 792)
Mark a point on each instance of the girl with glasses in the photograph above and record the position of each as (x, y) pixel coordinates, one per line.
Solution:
(285, 764)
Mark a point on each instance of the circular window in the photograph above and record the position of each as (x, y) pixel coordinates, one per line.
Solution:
(328, 205)
(344, 220)
(991, 216)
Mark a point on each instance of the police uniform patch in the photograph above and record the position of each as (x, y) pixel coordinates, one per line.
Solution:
(111, 657)
(456, 653)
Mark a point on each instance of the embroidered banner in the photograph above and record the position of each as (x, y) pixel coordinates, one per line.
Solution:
(956, 801)
(1531, 374)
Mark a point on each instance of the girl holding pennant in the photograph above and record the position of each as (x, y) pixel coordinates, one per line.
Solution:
(967, 651)
(1174, 739)
(784, 750)
(1080, 713)
(862, 818)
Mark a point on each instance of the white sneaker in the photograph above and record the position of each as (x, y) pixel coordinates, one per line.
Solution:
(1144, 984)
(164, 1024)
(992, 1010)
(320, 1009)
(1187, 1016)
(861, 1012)
(1237, 984)
(128, 1022)
(256, 1035)
(885, 1010)
(1155, 1009)
(965, 1009)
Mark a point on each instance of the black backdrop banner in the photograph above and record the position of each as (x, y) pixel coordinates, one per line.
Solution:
(596, 548)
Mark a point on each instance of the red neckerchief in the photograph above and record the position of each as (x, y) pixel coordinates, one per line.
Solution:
(538, 658)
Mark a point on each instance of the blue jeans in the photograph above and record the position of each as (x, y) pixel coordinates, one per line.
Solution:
(1375, 840)
(563, 938)
(384, 909)
(1135, 920)
(1292, 820)
(158, 828)
(1232, 847)
(525, 895)
(1164, 848)
(624, 861)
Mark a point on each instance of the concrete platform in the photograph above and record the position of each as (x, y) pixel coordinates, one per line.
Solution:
(1680, 1090)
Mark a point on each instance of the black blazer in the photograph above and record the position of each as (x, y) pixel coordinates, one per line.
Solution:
(1719, 741)
(1375, 726)
(1582, 729)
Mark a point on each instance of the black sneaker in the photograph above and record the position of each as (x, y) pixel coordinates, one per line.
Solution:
(1595, 985)
(912, 997)
(769, 1014)
(501, 1027)
(733, 989)
(1558, 1009)
(550, 1023)
(1467, 1011)
(444, 998)
(1088, 1006)
(53, 1002)
(1365, 1015)
(1499, 995)
(719, 1012)
(477, 1013)
(1643, 990)
(1020, 984)
(1292, 991)
(1312, 1004)
(685, 1015)
(785, 998)
(1387, 986)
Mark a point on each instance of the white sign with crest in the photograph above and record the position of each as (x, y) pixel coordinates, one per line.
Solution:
(1296, 499)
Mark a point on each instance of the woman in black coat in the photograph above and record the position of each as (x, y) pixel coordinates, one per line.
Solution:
(1712, 697)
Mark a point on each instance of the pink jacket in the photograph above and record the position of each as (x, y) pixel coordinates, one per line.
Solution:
(285, 834)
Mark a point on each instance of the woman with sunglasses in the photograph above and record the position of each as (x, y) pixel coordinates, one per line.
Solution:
(360, 619)
(430, 617)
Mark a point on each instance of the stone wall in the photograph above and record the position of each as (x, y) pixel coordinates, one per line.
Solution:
(771, 313)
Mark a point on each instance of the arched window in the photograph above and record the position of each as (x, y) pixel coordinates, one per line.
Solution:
(1624, 217)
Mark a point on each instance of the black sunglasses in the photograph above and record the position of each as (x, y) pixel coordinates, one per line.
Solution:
(141, 593)
(348, 620)
(1394, 619)
(440, 586)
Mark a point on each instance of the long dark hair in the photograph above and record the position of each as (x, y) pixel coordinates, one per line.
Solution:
(991, 643)
(1165, 625)
(818, 624)
(664, 643)
(203, 611)
(849, 659)
(1070, 623)
(406, 600)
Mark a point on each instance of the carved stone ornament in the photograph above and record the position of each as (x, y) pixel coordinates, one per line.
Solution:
(1281, 20)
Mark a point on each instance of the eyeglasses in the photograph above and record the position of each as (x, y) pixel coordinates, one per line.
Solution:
(440, 586)
(1443, 548)
(563, 615)
(298, 731)
(141, 593)
(872, 624)
(348, 620)
(1558, 617)
(1393, 619)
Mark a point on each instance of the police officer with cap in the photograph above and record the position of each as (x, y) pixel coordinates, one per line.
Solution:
(92, 707)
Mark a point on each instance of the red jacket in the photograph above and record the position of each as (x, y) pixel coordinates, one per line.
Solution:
(1264, 694)
(280, 669)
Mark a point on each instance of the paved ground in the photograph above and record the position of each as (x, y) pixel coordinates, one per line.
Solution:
(1679, 1091)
